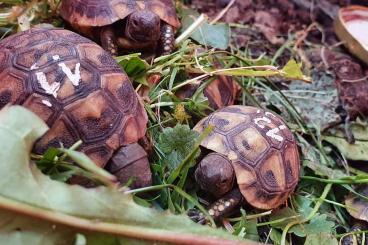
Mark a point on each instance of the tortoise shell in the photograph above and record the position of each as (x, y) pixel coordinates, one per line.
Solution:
(262, 150)
(75, 87)
(102, 13)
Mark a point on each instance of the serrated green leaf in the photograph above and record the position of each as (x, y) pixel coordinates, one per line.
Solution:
(317, 225)
(303, 205)
(284, 216)
(177, 143)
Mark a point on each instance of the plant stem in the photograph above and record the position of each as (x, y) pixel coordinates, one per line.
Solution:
(201, 19)
(309, 217)
(337, 181)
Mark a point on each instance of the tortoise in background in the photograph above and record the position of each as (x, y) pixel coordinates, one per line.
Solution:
(77, 88)
(125, 24)
(256, 148)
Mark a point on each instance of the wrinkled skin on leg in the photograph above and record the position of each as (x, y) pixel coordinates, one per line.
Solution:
(220, 208)
(108, 40)
(167, 40)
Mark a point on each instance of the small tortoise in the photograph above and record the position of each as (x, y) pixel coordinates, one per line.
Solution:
(126, 24)
(256, 148)
(77, 88)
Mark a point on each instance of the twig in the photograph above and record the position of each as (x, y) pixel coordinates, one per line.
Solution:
(223, 12)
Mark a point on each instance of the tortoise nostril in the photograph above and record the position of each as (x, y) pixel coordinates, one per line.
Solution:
(135, 22)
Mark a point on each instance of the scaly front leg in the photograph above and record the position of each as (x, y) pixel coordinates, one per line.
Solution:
(108, 40)
(167, 40)
(218, 209)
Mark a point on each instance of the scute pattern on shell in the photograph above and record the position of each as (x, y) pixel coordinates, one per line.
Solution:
(102, 13)
(103, 110)
(262, 149)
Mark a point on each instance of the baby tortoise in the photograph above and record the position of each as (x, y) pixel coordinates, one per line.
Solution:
(253, 147)
(125, 24)
(78, 89)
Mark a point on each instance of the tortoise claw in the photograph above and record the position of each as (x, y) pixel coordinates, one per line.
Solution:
(197, 216)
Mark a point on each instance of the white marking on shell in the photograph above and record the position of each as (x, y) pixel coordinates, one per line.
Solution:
(47, 103)
(49, 88)
(211, 212)
(56, 57)
(166, 48)
(269, 114)
(273, 134)
(73, 77)
(258, 111)
(168, 41)
(263, 119)
(282, 127)
(227, 203)
(167, 35)
(168, 31)
(34, 66)
(232, 156)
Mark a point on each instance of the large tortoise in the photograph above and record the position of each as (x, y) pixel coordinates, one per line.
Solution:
(256, 148)
(76, 87)
(127, 24)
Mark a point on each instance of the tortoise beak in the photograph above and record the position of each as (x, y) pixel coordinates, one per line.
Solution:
(143, 26)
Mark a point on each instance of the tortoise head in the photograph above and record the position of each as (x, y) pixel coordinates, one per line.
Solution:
(143, 26)
(215, 174)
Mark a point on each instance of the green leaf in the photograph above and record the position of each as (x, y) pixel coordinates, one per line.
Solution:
(275, 236)
(283, 217)
(316, 102)
(303, 205)
(317, 225)
(24, 189)
(134, 66)
(21, 230)
(321, 238)
(177, 143)
(314, 160)
(358, 150)
(217, 35)
(292, 70)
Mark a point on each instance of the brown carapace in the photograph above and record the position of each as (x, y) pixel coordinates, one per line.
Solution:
(260, 149)
(125, 24)
(76, 87)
